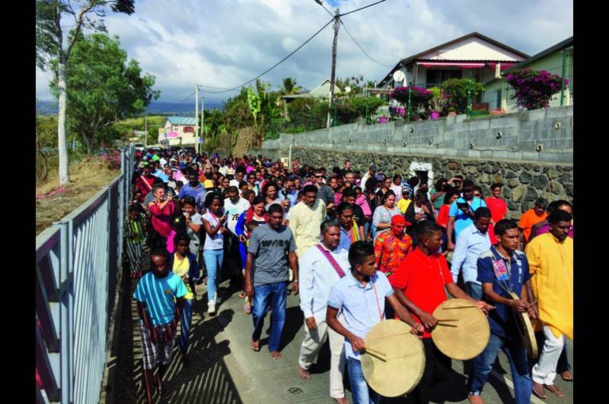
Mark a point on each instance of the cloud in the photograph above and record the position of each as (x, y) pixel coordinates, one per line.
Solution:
(223, 44)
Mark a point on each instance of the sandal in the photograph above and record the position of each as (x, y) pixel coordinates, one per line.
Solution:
(538, 391)
(255, 346)
(242, 295)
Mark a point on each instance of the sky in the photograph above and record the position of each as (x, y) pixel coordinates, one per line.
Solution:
(219, 45)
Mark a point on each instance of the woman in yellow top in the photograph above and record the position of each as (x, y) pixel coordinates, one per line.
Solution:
(551, 265)
(184, 264)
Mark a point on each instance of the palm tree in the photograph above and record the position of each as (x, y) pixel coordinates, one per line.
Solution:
(289, 87)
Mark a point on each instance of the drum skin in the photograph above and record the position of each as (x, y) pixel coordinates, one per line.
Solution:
(466, 333)
(400, 369)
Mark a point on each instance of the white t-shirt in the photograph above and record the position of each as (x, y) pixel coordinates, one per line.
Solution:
(215, 242)
(233, 211)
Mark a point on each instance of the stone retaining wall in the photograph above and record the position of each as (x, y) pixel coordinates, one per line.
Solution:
(530, 152)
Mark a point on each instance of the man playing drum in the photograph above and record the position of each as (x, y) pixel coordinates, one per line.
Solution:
(419, 284)
(361, 295)
(503, 269)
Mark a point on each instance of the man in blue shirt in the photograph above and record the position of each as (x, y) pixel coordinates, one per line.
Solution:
(503, 269)
(473, 240)
(192, 188)
(363, 287)
(461, 213)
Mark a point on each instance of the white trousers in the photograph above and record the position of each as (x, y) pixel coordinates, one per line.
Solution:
(544, 370)
(309, 350)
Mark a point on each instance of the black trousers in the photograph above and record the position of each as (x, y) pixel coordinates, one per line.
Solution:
(231, 265)
(438, 368)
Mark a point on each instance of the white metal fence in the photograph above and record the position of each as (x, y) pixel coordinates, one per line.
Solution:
(77, 269)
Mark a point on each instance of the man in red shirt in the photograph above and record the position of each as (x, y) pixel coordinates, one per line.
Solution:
(498, 209)
(419, 285)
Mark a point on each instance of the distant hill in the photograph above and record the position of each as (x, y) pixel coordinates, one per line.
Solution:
(155, 108)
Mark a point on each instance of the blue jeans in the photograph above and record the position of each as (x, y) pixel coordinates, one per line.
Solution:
(473, 290)
(276, 293)
(517, 357)
(185, 323)
(213, 262)
(361, 393)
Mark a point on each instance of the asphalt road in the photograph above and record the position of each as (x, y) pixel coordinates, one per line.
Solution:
(226, 370)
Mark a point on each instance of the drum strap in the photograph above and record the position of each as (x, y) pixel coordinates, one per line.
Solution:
(376, 296)
(441, 273)
(507, 286)
(332, 261)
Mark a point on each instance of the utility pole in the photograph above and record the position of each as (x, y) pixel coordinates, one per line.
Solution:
(201, 133)
(333, 73)
(146, 130)
(196, 110)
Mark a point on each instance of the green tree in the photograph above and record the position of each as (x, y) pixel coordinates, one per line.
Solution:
(349, 110)
(305, 114)
(263, 106)
(237, 114)
(289, 87)
(46, 142)
(53, 46)
(107, 91)
(456, 93)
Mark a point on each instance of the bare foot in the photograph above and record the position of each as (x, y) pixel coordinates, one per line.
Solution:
(275, 354)
(255, 346)
(342, 400)
(538, 390)
(552, 388)
(567, 376)
(303, 373)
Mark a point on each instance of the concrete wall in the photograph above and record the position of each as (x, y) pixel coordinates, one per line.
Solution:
(531, 152)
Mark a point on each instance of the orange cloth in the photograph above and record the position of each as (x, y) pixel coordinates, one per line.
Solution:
(528, 220)
(390, 251)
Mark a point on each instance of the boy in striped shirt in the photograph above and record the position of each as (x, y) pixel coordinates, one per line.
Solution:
(160, 296)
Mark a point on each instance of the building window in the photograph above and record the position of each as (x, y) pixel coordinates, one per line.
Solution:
(498, 99)
(436, 77)
(189, 129)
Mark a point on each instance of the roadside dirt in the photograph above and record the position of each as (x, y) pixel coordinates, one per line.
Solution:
(87, 178)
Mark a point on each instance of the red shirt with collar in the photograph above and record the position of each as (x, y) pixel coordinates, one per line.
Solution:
(422, 279)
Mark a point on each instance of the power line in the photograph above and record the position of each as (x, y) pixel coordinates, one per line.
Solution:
(182, 102)
(275, 65)
(359, 46)
(361, 8)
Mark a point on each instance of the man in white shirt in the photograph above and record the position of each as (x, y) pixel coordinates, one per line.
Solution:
(370, 174)
(472, 242)
(320, 268)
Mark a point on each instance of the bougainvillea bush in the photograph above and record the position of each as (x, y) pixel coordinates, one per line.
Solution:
(534, 89)
(419, 98)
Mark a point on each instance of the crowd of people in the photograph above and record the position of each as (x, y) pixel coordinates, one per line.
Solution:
(358, 248)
